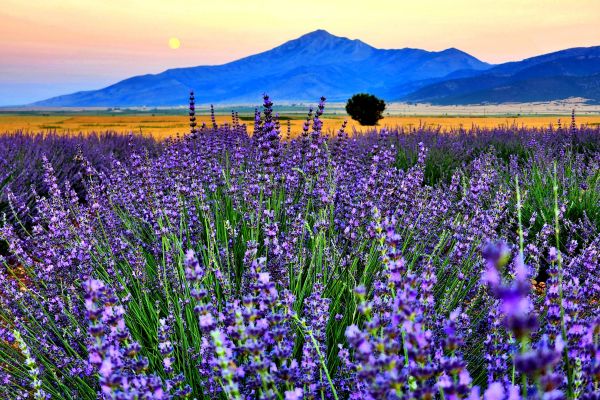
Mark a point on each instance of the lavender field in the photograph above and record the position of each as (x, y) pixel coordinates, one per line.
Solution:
(235, 263)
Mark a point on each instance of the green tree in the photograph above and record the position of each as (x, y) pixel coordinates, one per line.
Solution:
(365, 108)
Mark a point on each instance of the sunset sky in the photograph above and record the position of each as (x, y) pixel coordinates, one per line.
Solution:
(52, 47)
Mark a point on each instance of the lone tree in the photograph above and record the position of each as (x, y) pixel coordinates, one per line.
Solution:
(365, 108)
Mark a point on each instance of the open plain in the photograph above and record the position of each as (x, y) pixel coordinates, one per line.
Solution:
(163, 123)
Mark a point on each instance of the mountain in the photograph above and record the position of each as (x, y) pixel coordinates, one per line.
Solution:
(305, 68)
(560, 75)
(320, 63)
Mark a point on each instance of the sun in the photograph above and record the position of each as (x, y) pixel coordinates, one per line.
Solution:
(174, 43)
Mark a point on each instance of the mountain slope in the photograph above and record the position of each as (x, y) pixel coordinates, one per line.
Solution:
(560, 75)
(305, 68)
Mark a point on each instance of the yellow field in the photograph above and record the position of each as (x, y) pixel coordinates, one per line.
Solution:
(165, 126)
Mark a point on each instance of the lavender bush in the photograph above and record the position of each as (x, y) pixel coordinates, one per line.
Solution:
(23, 153)
(384, 265)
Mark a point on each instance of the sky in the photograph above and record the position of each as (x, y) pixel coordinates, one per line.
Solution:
(53, 47)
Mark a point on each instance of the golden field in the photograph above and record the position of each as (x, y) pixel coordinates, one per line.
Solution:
(169, 125)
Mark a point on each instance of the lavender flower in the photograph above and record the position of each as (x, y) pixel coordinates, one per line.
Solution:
(359, 265)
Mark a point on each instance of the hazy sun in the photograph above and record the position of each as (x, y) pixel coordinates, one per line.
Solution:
(174, 43)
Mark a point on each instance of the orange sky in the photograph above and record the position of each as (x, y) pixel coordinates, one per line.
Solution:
(49, 47)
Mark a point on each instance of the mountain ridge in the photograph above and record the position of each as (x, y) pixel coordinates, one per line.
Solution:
(317, 62)
(553, 76)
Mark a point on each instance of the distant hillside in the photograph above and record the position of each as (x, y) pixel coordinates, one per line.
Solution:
(568, 73)
(306, 68)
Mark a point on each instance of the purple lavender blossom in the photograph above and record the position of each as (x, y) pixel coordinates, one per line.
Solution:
(359, 265)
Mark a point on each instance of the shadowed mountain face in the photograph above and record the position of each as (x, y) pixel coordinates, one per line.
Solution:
(306, 68)
(568, 73)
